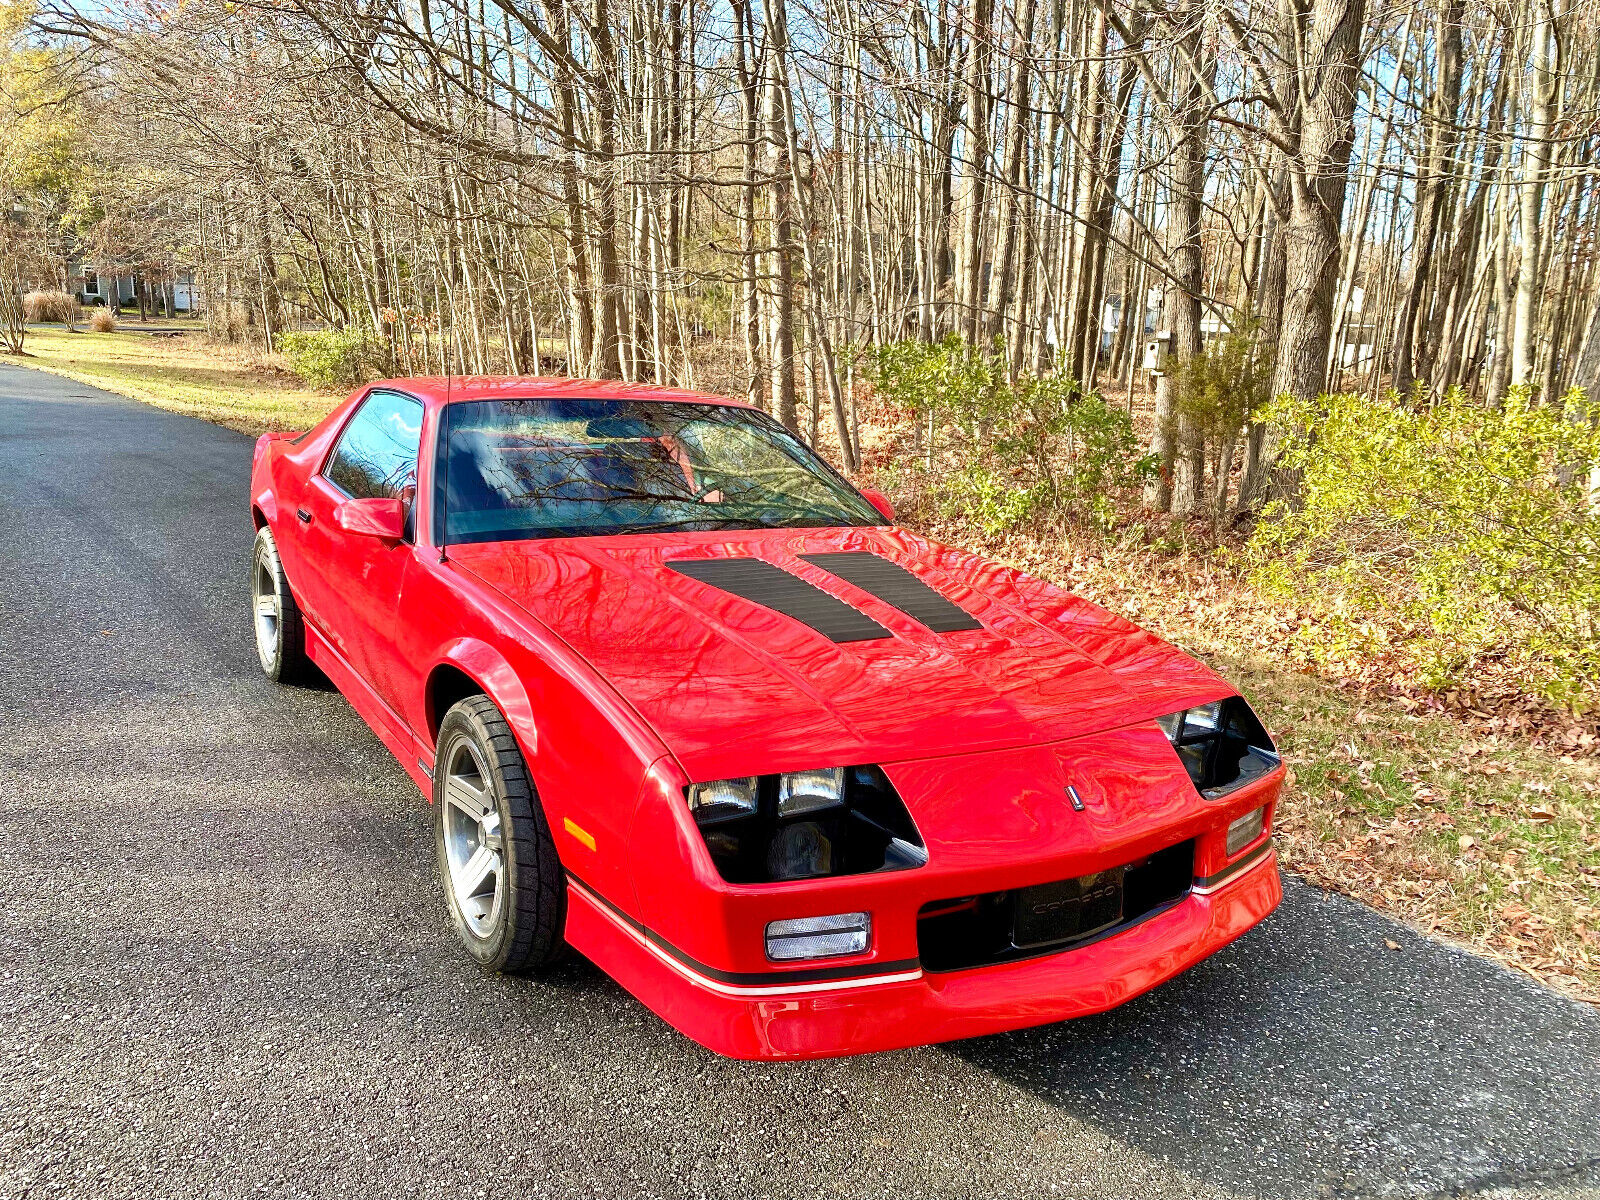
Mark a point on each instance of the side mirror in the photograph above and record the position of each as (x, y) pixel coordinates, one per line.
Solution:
(880, 502)
(374, 516)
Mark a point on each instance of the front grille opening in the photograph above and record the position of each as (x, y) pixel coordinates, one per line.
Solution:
(997, 927)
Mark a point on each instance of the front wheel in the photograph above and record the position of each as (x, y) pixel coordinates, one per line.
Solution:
(502, 878)
(280, 632)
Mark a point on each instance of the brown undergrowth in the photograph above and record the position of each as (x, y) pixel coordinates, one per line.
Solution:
(1473, 816)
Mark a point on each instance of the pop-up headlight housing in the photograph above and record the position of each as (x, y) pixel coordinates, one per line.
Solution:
(805, 825)
(1222, 745)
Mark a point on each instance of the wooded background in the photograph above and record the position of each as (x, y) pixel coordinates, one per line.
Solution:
(926, 234)
(749, 195)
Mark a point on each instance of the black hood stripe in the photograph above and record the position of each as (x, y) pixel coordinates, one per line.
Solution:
(772, 587)
(896, 587)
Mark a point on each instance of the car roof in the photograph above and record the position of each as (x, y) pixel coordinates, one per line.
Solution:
(439, 389)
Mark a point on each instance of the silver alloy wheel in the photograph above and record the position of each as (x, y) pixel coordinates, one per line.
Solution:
(268, 610)
(474, 846)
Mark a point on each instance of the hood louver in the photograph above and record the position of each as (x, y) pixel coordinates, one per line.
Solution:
(896, 587)
(770, 586)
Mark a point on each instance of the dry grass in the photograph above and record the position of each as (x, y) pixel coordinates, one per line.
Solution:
(1487, 842)
(61, 307)
(103, 320)
(228, 385)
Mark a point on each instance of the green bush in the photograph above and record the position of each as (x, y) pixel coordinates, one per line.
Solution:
(1457, 534)
(976, 493)
(1039, 448)
(334, 360)
(1216, 394)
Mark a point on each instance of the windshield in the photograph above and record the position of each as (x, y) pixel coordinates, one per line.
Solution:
(512, 469)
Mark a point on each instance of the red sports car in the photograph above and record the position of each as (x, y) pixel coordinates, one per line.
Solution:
(685, 700)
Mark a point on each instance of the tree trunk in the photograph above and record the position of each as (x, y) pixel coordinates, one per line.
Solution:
(1015, 133)
(1530, 197)
(749, 116)
(975, 156)
(1327, 84)
(1435, 177)
(1178, 483)
(781, 270)
(1269, 311)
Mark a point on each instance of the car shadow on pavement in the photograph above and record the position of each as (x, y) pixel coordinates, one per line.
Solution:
(1309, 1058)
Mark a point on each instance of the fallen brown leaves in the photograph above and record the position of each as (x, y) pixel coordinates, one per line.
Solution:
(1470, 815)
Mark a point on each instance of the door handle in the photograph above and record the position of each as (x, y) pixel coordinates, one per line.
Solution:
(304, 515)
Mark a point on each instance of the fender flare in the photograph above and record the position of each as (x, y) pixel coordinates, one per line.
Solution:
(266, 501)
(488, 668)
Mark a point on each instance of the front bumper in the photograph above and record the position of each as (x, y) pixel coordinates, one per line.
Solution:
(907, 1006)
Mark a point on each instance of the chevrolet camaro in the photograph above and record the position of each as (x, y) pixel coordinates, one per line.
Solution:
(686, 701)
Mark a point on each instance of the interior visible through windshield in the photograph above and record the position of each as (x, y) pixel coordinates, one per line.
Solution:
(510, 469)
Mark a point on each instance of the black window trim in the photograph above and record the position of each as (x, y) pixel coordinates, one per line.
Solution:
(344, 427)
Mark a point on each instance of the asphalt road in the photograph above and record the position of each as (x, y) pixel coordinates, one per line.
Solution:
(226, 967)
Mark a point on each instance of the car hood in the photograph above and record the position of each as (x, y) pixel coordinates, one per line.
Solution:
(735, 687)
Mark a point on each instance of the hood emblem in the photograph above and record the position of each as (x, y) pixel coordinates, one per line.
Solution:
(1077, 800)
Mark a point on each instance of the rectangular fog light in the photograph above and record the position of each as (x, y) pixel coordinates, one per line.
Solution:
(818, 937)
(1245, 830)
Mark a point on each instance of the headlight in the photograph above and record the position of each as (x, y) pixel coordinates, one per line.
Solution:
(805, 825)
(802, 792)
(1222, 745)
(723, 800)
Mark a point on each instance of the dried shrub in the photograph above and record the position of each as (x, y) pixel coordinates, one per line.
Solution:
(56, 306)
(228, 321)
(12, 327)
(103, 320)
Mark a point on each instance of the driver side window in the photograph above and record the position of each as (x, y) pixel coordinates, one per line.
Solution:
(377, 452)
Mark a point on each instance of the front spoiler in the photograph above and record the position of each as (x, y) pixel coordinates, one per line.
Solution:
(912, 1007)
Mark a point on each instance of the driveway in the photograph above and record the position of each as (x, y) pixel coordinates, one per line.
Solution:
(226, 967)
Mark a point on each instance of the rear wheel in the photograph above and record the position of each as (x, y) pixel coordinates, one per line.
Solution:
(502, 877)
(280, 632)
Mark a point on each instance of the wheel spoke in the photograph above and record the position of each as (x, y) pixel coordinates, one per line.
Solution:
(469, 879)
(267, 606)
(468, 797)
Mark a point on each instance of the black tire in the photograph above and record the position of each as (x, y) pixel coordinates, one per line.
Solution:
(521, 931)
(280, 636)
